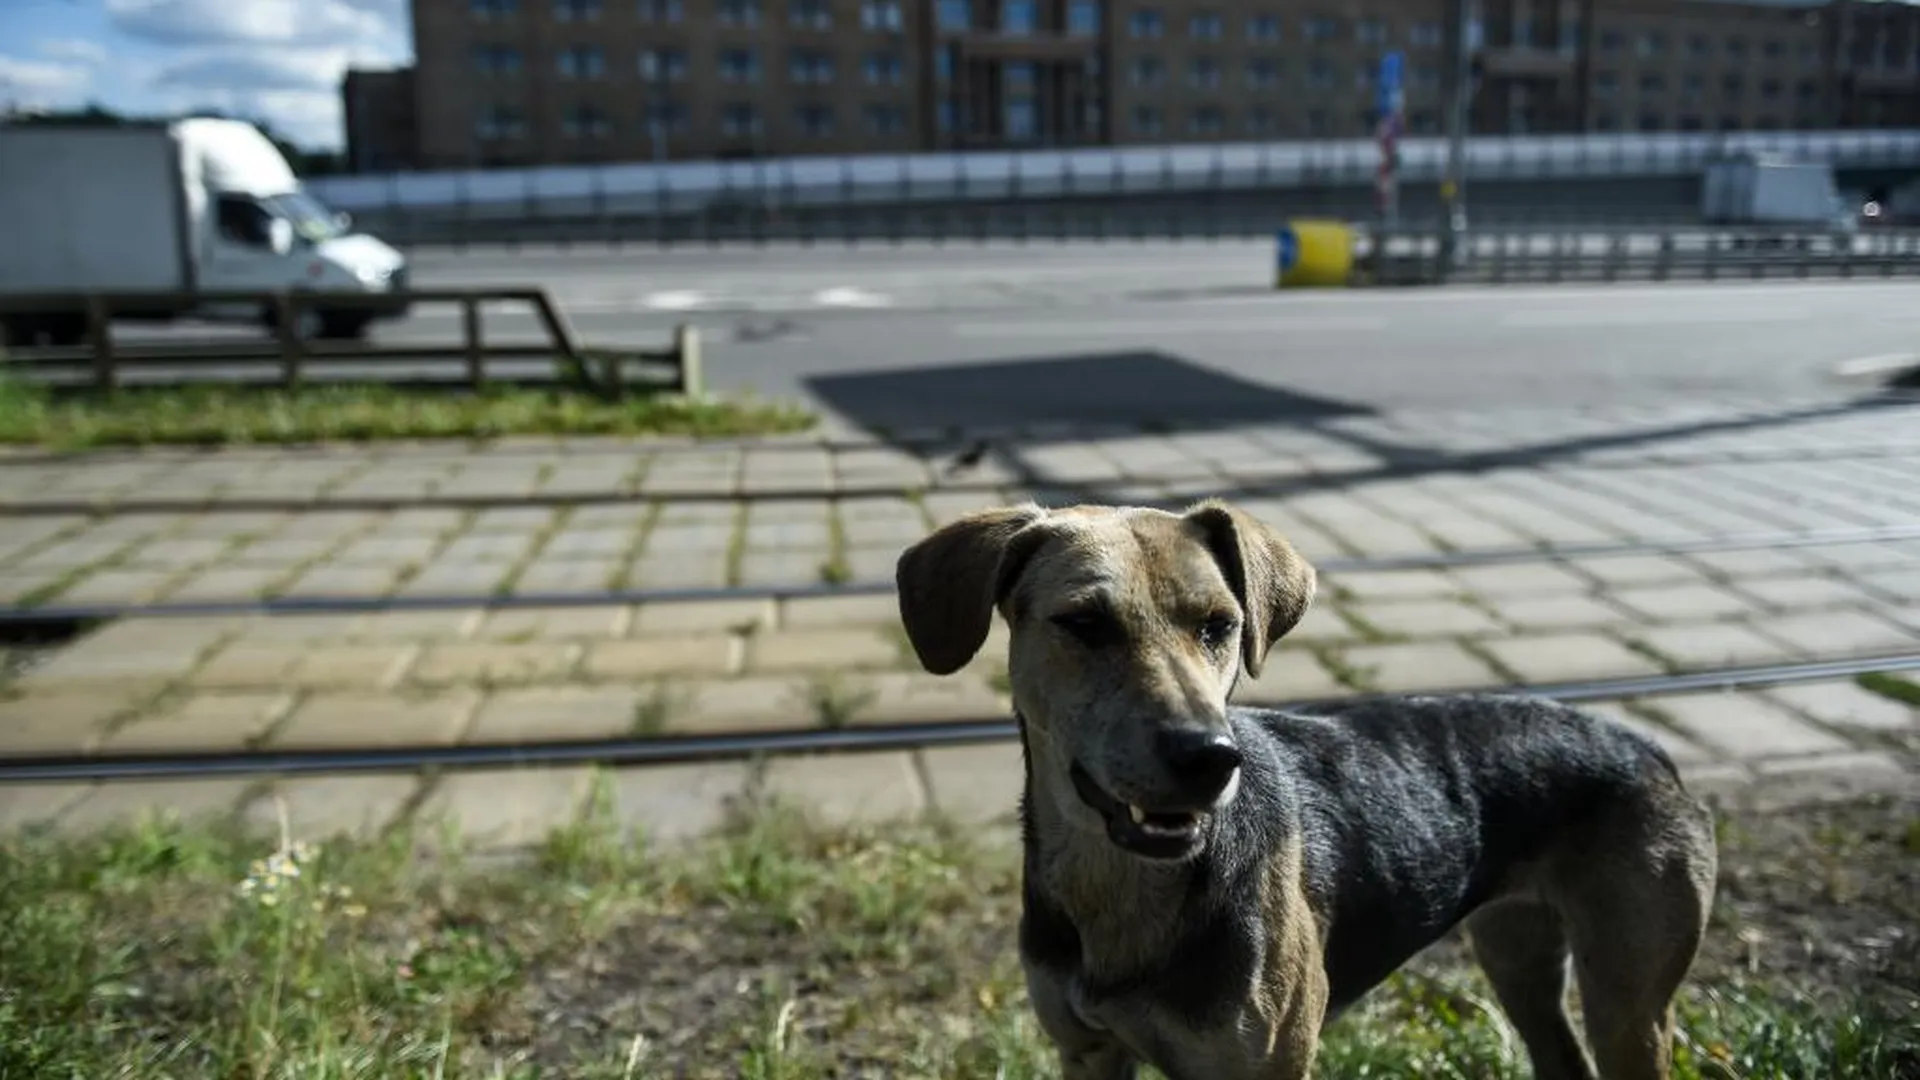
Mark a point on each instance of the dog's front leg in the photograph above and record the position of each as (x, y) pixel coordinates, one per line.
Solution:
(1085, 1053)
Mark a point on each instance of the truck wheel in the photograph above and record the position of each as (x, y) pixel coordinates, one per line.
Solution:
(343, 326)
(306, 326)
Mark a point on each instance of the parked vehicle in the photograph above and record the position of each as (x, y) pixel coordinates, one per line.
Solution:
(175, 208)
(1753, 189)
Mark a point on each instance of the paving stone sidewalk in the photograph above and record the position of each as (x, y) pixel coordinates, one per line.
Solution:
(484, 674)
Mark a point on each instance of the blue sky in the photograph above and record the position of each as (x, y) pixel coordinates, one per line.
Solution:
(277, 59)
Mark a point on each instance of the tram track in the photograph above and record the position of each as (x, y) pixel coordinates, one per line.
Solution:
(796, 740)
(39, 618)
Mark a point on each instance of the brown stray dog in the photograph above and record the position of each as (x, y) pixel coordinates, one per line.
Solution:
(1206, 886)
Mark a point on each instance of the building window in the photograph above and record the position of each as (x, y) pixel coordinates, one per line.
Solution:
(1692, 87)
(1261, 121)
(1424, 122)
(739, 120)
(736, 66)
(1363, 76)
(1146, 71)
(493, 9)
(1370, 32)
(943, 65)
(1318, 122)
(667, 118)
(1209, 120)
(1651, 45)
(1770, 89)
(1774, 49)
(1651, 84)
(1426, 78)
(810, 14)
(1263, 73)
(1612, 41)
(1018, 17)
(882, 15)
(1699, 46)
(1319, 74)
(1606, 121)
(584, 122)
(956, 16)
(1017, 78)
(1732, 85)
(1083, 17)
(741, 13)
(581, 62)
(1650, 122)
(1263, 28)
(496, 122)
(814, 120)
(575, 10)
(1736, 48)
(884, 69)
(1321, 28)
(660, 11)
(1146, 23)
(1692, 123)
(1605, 83)
(883, 119)
(1022, 121)
(1426, 35)
(668, 65)
(1203, 73)
(810, 67)
(1146, 120)
(1205, 26)
(1808, 91)
(496, 59)
(946, 117)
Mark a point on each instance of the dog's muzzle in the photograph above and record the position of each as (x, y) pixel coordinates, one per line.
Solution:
(1206, 770)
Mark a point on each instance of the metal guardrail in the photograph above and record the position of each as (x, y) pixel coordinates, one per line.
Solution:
(676, 368)
(1582, 253)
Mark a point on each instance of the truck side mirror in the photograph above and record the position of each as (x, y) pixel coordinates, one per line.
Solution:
(343, 221)
(280, 236)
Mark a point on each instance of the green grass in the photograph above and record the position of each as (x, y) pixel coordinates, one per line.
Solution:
(226, 415)
(1890, 686)
(774, 951)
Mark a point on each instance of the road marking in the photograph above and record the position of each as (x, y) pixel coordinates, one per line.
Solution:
(849, 296)
(672, 300)
(1480, 293)
(1862, 366)
(1277, 325)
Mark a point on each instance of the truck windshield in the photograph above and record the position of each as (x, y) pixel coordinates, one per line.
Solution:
(311, 221)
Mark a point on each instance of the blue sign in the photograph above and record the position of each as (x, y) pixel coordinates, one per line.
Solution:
(1390, 82)
(1289, 249)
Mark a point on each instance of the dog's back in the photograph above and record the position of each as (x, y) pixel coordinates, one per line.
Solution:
(1416, 811)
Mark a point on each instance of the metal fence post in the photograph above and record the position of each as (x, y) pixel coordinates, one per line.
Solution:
(286, 329)
(100, 330)
(686, 351)
(476, 349)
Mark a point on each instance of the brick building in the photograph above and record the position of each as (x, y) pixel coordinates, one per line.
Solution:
(379, 112)
(556, 81)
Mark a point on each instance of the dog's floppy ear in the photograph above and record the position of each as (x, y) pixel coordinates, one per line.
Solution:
(1273, 583)
(950, 582)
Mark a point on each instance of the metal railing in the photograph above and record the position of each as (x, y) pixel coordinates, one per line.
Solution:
(1520, 255)
(102, 360)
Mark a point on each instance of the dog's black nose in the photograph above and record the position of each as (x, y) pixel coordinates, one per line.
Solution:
(1202, 761)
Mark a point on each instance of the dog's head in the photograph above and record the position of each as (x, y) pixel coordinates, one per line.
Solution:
(1130, 626)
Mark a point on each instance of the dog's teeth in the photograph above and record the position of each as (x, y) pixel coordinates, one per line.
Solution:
(1139, 815)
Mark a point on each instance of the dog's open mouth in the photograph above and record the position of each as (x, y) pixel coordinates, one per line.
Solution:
(1153, 834)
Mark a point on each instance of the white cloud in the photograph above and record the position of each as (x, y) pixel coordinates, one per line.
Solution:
(42, 84)
(72, 51)
(278, 60)
(256, 22)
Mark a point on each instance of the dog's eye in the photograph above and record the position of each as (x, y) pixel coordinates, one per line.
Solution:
(1089, 627)
(1215, 632)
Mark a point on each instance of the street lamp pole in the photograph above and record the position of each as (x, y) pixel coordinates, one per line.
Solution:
(1459, 120)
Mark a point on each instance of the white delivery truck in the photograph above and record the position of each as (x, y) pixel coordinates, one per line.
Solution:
(173, 208)
(1752, 189)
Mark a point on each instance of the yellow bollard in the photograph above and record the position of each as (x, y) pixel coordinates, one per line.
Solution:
(1313, 254)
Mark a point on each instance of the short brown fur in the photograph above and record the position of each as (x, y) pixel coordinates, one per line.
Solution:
(1618, 892)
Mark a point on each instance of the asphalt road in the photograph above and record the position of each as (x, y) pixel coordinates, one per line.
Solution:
(1179, 332)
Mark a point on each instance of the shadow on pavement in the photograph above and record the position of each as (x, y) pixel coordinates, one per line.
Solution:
(1132, 388)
